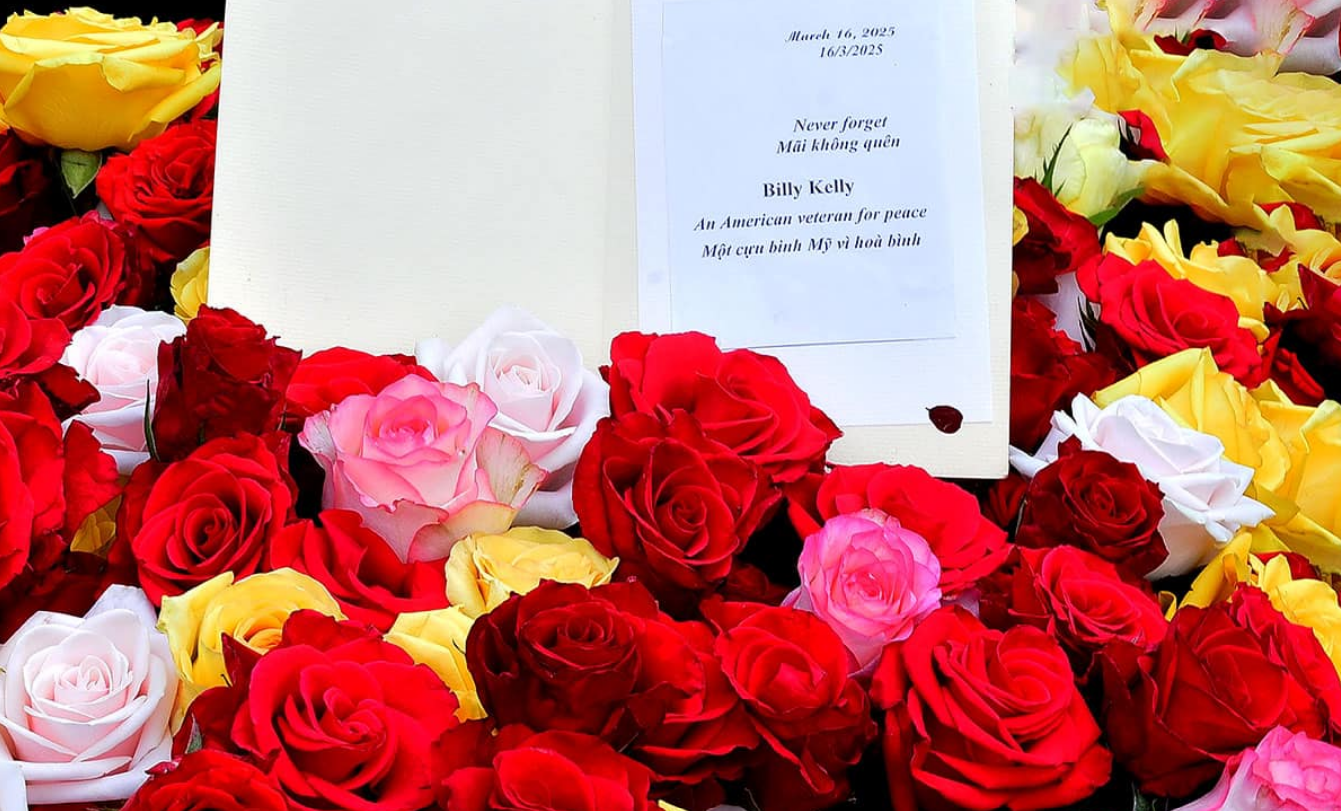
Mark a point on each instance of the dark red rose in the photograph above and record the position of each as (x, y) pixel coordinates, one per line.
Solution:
(1156, 315)
(1081, 600)
(546, 771)
(602, 661)
(1221, 679)
(1047, 370)
(968, 546)
(371, 584)
(1059, 241)
(70, 271)
(674, 506)
(979, 720)
(28, 345)
(743, 400)
(1091, 500)
(1140, 139)
(791, 672)
(1002, 500)
(323, 379)
(223, 378)
(215, 511)
(338, 717)
(163, 191)
(208, 781)
(1199, 40)
(30, 196)
(1300, 566)
(1305, 347)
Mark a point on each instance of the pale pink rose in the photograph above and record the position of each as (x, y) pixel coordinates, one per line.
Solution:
(868, 579)
(546, 398)
(1305, 31)
(118, 355)
(421, 464)
(85, 703)
(1286, 772)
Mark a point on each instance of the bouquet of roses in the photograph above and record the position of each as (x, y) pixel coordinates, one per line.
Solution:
(484, 576)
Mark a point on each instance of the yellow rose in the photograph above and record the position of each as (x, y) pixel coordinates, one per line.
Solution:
(1315, 249)
(86, 80)
(484, 570)
(1238, 133)
(251, 611)
(1235, 277)
(95, 535)
(1019, 226)
(191, 284)
(1090, 173)
(1294, 450)
(438, 639)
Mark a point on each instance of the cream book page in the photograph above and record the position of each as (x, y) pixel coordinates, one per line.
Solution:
(391, 177)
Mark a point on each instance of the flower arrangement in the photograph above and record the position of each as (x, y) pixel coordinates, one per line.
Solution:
(485, 576)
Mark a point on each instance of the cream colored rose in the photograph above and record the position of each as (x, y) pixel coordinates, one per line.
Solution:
(438, 639)
(485, 570)
(251, 611)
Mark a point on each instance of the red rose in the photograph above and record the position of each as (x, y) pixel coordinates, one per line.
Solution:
(743, 400)
(49, 485)
(1156, 315)
(223, 378)
(163, 191)
(208, 781)
(1002, 500)
(323, 379)
(215, 511)
(1140, 138)
(358, 568)
(1222, 678)
(1059, 241)
(28, 345)
(1091, 500)
(981, 719)
(29, 194)
(545, 771)
(968, 546)
(1081, 600)
(341, 719)
(791, 672)
(1199, 40)
(674, 506)
(70, 271)
(1047, 370)
(602, 661)
(1305, 347)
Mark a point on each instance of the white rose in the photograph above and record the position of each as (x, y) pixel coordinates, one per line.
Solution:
(1305, 31)
(118, 355)
(85, 703)
(545, 398)
(1204, 502)
(13, 794)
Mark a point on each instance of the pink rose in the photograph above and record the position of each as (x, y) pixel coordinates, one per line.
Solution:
(421, 464)
(85, 703)
(868, 579)
(1288, 771)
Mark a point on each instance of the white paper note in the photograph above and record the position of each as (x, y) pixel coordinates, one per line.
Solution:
(805, 174)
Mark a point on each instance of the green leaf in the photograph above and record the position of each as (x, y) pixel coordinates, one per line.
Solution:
(79, 169)
(1106, 216)
(196, 741)
(1050, 168)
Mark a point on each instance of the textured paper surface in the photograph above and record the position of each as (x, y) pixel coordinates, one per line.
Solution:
(393, 176)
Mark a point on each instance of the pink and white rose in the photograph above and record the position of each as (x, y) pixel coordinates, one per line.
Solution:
(546, 398)
(1287, 771)
(870, 580)
(422, 465)
(85, 703)
(1305, 31)
(118, 355)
